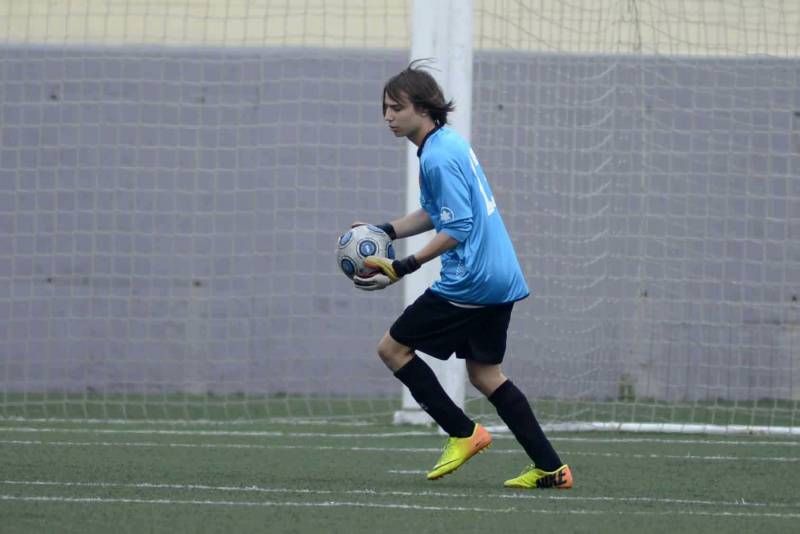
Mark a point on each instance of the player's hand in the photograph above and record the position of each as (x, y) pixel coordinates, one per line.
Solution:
(373, 283)
(385, 276)
(385, 266)
(390, 271)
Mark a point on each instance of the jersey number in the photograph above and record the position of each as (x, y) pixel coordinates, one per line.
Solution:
(491, 206)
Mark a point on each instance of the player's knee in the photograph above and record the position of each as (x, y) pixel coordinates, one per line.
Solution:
(478, 381)
(383, 352)
(485, 379)
(386, 351)
(393, 355)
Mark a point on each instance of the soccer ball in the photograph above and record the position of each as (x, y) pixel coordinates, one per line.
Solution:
(356, 244)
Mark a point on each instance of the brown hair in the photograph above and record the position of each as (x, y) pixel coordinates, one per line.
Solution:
(422, 91)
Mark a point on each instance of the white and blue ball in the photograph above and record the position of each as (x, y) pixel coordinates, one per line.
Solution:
(356, 244)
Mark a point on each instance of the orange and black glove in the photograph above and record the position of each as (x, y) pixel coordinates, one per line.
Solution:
(389, 272)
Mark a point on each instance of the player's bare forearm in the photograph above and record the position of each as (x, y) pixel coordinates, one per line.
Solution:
(413, 223)
(437, 246)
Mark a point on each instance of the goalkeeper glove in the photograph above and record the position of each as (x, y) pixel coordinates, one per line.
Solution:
(390, 271)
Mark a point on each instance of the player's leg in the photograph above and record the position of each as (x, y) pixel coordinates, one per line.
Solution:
(514, 409)
(466, 437)
(435, 327)
(421, 381)
(484, 353)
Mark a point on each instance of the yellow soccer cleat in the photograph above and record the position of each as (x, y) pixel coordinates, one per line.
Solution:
(459, 450)
(533, 477)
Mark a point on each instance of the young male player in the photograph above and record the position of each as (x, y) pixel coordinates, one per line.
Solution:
(468, 309)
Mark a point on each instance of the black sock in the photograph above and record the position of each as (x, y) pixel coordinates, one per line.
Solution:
(513, 408)
(426, 390)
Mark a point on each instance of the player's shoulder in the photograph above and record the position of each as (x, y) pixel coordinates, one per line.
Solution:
(446, 138)
(443, 146)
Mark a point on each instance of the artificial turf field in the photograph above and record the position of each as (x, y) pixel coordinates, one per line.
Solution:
(358, 476)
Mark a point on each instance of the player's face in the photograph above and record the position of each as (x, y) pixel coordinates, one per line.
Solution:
(404, 120)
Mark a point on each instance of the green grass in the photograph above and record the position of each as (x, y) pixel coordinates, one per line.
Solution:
(186, 406)
(340, 476)
(761, 412)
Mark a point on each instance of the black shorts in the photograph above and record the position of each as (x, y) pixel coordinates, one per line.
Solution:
(438, 328)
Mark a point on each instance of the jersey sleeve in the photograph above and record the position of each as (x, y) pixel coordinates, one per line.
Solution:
(450, 196)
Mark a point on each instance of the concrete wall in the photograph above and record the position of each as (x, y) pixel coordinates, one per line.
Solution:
(167, 220)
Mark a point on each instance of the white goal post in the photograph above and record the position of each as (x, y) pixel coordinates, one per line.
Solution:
(449, 46)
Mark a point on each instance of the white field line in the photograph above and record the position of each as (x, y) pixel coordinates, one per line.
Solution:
(675, 428)
(378, 435)
(327, 504)
(779, 459)
(198, 422)
(679, 441)
(227, 433)
(536, 496)
(396, 506)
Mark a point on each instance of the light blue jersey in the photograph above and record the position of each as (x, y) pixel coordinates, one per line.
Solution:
(483, 268)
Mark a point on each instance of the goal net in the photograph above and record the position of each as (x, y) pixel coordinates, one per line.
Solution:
(173, 176)
(646, 156)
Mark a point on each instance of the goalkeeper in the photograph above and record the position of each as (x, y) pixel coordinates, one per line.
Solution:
(466, 311)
